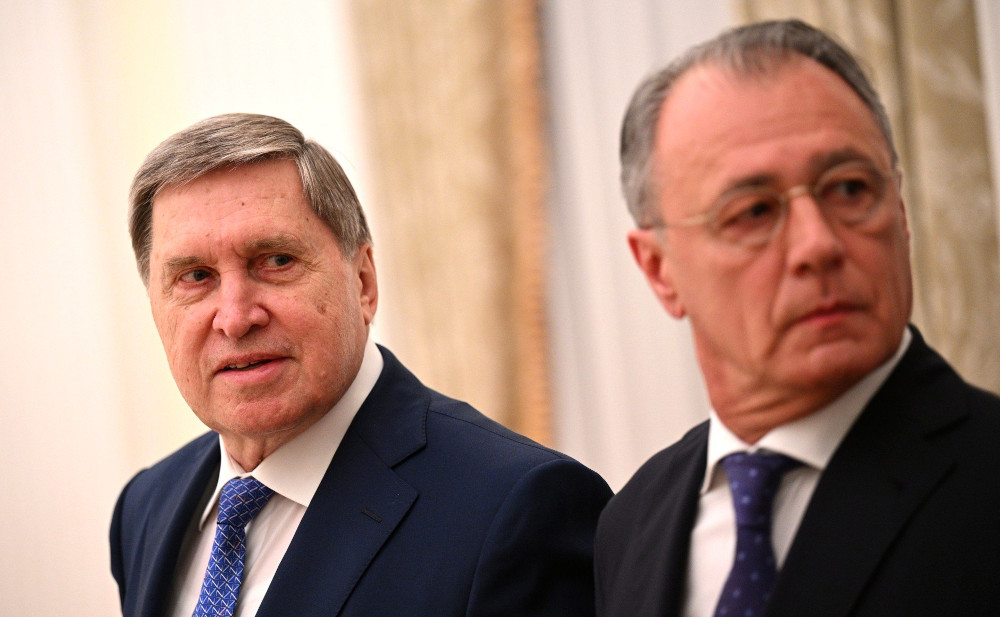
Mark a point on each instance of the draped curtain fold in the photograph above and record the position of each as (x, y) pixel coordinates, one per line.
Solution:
(924, 60)
(454, 121)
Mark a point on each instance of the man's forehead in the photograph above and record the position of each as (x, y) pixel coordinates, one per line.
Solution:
(710, 80)
(277, 172)
(276, 181)
(713, 107)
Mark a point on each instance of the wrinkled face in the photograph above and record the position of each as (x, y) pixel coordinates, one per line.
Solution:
(823, 303)
(263, 319)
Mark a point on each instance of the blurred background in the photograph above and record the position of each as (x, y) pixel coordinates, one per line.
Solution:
(482, 138)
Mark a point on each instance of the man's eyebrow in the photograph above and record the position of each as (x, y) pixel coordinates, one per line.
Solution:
(179, 263)
(822, 162)
(816, 164)
(275, 243)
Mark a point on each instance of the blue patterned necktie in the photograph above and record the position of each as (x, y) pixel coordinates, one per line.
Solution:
(240, 501)
(753, 480)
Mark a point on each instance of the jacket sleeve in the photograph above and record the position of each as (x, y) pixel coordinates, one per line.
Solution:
(117, 549)
(538, 556)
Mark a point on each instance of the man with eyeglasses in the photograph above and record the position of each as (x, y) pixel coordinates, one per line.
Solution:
(845, 469)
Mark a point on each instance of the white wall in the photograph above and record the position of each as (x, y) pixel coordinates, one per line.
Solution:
(86, 90)
(626, 382)
(58, 400)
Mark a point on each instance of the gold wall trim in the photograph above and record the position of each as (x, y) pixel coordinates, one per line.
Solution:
(458, 162)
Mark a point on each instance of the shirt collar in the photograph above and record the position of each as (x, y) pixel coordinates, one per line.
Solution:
(295, 470)
(811, 439)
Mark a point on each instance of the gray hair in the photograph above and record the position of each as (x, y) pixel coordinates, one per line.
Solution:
(747, 50)
(232, 140)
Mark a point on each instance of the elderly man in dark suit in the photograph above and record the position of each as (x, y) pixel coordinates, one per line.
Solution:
(845, 469)
(332, 481)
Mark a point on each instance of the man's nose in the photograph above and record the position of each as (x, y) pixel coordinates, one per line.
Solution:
(239, 307)
(813, 242)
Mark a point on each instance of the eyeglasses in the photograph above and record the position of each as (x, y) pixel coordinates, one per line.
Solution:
(849, 194)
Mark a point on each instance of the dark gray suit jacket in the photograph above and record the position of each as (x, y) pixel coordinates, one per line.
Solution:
(427, 509)
(905, 520)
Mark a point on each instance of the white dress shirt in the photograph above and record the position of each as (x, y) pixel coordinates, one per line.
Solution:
(811, 440)
(293, 472)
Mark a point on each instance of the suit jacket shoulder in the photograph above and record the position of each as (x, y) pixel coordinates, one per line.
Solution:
(474, 519)
(151, 518)
(904, 518)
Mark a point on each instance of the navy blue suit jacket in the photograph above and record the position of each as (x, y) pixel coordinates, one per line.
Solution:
(428, 508)
(905, 520)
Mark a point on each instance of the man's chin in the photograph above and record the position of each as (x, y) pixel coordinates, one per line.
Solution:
(838, 361)
(257, 420)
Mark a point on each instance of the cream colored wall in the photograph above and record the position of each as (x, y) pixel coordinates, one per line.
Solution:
(86, 399)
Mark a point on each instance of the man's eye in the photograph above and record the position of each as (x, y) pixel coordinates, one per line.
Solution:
(278, 261)
(750, 210)
(759, 210)
(195, 276)
(847, 189)
(850, 191)
(850, 188)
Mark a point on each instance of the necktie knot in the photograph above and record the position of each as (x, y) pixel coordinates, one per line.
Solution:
(241, 499)
(753, 481)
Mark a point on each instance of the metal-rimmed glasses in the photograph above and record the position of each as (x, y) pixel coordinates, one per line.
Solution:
(848, 193)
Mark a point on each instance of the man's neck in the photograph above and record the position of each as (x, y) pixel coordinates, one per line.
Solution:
(750, 424)
(755, 411)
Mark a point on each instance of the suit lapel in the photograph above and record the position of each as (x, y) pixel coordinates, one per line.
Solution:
(660, 555)
(679, 524)
(358, 505)
(883, 471)
(167, 525)
(359, 502)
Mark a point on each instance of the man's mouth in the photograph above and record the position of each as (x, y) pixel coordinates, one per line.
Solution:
(244, 366)
(829, 311)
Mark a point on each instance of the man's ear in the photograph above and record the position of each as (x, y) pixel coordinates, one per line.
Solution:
(902, 207)
(364, 264)
(648, 251)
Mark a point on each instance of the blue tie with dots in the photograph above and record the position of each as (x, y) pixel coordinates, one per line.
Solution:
(753, 480)
(240, 501)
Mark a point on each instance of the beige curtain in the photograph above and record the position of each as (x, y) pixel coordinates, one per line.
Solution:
(924, 59)
(455, 124)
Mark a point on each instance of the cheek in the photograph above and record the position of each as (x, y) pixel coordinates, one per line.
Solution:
(885, 261)
(178, 328)
(325, 322)
(896, 270)
(331, 339)
(730, 293)
(166, 327)
(335, 305)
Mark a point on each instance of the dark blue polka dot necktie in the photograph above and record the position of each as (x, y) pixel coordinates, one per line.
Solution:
(753, 480)
(241, 499)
